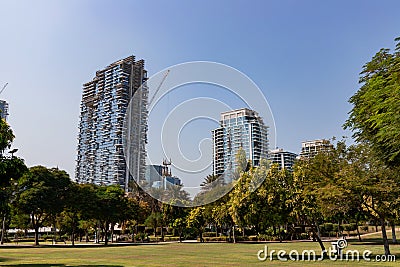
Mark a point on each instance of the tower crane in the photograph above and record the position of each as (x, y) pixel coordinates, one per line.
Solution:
(158, 87)
(4, 87)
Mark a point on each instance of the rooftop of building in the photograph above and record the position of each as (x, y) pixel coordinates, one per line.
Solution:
(280, 150)
(315, 142)
(238, 113)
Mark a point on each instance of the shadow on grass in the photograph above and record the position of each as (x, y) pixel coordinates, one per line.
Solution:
(80, 245)
(371, 241)
(58, 265)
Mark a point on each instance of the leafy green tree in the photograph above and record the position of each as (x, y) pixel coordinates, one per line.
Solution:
(110, 207)
(374, 184)
(220, 214)
(196, 219)
(179, 224)
(375, 116)
(6, 136)
(11, 169)
(239, 202)
(304, 200)
(270, 202)
(154, 220)
(80, 200)
(41, 194)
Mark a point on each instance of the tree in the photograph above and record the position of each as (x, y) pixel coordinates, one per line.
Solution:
(196, 219)
(154, 220)
(270, 202)
(6, 136)
(41, 194)
(11, 169)
(304, 202)
(375, 116)
(374, 184)
(80, 200)
(110, 207)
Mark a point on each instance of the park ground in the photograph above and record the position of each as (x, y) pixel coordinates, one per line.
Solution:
(181, 254)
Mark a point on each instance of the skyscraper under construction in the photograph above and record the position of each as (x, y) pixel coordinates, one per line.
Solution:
(102, 131)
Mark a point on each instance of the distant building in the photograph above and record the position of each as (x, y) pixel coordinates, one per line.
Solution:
(284, 159)
(3, 109)
(242, 128)
(159, 176)
(311, 148)
(172, 180)
(104, 103)
(154, 173)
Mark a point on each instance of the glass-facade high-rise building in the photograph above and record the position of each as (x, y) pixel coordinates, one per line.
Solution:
(284, 159)
(104, 104)
(311, 148)
(3, 109)
(242, 128)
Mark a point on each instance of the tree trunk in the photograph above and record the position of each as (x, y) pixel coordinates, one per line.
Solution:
(201, 236)
(36, 227)
(73, 232)
(112, 233)
(98, 233)
(36, 235)
(106, 234)
(385, 239)
(73, 238)
(358, 231)
(319, 240)
(394, 233)
(180, 235)
(233, 234)
(318, 231)
(3, 229)
(54, 233)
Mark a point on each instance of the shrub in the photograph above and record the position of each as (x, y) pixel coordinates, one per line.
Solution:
(214, 239)
(336, 227)
(209, 234)
(253, 238)
(328, 227)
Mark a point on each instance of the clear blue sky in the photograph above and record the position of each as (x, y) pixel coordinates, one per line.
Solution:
(304, 55)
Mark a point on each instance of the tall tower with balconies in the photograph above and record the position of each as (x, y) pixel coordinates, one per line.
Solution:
(105, 102)
(242, 128)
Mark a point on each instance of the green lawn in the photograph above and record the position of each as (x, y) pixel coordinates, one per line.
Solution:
(174, 254)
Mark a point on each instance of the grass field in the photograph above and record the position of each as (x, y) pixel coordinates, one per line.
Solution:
(178, 254)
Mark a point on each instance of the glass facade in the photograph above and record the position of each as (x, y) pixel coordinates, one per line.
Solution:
(284, 159)
(104, 103)
(3, 109)
(242, 128)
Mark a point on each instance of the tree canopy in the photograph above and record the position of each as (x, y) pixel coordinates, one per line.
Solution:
(375, 116)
